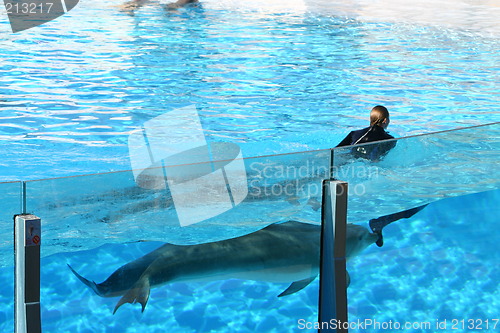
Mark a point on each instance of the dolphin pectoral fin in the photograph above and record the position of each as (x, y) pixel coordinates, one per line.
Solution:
(293, 201)
(139, 293)
(296, 286)
(315, 204)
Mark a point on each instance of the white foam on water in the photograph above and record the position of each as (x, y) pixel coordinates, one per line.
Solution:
(472, 15)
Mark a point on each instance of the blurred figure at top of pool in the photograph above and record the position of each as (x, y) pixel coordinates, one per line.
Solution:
(379, 121)
(180, 3)
(130, 6)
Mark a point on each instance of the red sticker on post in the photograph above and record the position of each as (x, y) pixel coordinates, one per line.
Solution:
(33, 233)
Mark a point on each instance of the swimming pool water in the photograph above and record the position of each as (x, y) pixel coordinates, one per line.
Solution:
(273, 80)
(441, 265)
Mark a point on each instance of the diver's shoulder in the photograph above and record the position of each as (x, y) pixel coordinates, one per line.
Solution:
(389, 136)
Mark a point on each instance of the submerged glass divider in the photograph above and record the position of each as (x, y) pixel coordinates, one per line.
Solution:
(333, 279)
(27, 240)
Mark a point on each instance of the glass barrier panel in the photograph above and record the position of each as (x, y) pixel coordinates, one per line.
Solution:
(437, 269)
(418, 170)
(204, 239)
(10, 204)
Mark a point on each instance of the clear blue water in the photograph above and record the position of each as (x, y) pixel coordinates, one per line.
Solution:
(279, 80)
(442, 264)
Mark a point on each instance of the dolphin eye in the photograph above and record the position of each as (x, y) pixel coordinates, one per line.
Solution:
(360, 237)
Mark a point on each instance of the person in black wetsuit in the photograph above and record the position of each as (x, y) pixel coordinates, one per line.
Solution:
(379, 120)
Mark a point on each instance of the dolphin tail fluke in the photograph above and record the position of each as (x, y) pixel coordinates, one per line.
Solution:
(139, 293)
(91, 284)
(379, 223)
(296, 286)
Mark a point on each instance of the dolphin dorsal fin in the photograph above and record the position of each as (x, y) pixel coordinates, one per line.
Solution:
(139, 293)
(296, 286)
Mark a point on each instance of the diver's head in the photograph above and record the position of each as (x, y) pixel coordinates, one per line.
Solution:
(379, 116)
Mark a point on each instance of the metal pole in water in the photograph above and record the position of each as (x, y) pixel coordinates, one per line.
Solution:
(27, 239)
(332, 316)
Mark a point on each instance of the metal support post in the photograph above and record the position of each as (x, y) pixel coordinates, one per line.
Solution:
(333, 281)
(27, 239)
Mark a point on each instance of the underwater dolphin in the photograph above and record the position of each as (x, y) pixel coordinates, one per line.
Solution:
(285, 252)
